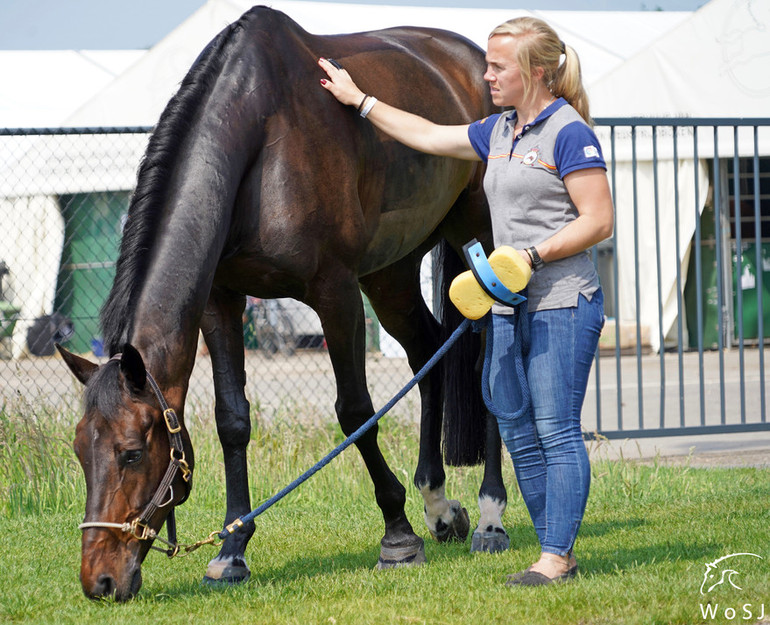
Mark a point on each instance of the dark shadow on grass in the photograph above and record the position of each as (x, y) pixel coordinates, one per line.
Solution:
(297, 569)
(319, 564)
(625, 560)
(603, 528)
(523, 537)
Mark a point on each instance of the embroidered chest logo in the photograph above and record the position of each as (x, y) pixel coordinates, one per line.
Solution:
(530, 158)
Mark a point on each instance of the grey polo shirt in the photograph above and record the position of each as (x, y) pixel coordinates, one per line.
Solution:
(527, 198)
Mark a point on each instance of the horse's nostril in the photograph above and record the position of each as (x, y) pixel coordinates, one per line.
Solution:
(105, 586)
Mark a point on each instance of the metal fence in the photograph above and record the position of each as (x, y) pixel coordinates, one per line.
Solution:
(682, 350)
(687, 278)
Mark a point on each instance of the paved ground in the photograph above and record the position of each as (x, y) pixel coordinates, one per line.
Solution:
(714, 389)
(712, 450)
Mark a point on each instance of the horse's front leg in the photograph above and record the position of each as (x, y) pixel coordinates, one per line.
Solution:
(336, 298)
(222, 328)
(490, 535)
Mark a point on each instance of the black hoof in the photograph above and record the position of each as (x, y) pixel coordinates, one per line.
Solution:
(490, 542)
(408, 555)
(456, 530)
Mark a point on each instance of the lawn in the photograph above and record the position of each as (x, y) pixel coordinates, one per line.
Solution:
(648, 533)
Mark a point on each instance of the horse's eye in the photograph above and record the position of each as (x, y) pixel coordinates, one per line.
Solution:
(132, 456)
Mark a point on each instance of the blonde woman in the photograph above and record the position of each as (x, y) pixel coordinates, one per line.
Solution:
(548, 195)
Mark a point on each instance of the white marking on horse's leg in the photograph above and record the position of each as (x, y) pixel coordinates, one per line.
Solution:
(446, 518)
(227, 569)
(436, 506)
(490, 535)
(491, 510)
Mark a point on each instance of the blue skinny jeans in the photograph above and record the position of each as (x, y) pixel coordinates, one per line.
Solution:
(546, 441)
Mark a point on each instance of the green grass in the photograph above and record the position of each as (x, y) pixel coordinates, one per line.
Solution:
(647, 534)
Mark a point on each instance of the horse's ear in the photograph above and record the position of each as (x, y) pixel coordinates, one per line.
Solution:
(132, 366)
(82, 369)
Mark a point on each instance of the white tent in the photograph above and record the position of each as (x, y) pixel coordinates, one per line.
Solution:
(713, 64)
(41, 88)
(603, 39)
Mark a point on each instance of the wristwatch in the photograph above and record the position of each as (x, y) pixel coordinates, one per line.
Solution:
(537, 262)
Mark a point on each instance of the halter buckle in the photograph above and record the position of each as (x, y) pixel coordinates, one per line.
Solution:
(147, 533)
(169, 415)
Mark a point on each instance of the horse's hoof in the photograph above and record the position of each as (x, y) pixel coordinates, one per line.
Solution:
(226, 572)
(490, 542)
(457, 528)
(409, 555)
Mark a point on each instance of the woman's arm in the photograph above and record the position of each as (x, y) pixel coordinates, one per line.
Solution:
(412, 130)
(589, 191)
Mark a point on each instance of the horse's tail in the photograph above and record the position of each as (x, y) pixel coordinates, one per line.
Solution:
(464, 430)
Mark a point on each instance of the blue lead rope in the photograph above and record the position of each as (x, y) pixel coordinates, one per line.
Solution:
(240, 522)
(521, 343)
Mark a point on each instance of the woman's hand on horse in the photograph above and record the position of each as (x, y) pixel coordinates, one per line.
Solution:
(412, 130)
(340, 84)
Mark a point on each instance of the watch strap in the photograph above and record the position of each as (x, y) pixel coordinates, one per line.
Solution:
(537, 262)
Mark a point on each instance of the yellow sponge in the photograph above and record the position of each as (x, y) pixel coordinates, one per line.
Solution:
(468, 296)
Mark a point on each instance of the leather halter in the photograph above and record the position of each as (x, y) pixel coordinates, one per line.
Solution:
(139, 527)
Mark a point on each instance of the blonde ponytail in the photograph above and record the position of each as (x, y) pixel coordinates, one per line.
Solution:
(567, 83)
(540, 46)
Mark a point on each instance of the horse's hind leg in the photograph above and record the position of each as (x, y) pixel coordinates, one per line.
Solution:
(470, 214)
(396, 298)
(337, 300)
(490, 535)
(222, 328)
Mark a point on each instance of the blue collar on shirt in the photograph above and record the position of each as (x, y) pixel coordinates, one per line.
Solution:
(544, 114)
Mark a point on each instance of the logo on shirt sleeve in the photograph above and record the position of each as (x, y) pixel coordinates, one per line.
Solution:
(591, 151)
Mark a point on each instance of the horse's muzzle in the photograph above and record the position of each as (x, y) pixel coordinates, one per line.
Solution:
(106, 586)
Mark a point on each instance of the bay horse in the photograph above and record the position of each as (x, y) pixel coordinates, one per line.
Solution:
(255, 181)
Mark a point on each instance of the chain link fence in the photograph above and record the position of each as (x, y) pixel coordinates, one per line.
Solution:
(686, 277)
(64, 195)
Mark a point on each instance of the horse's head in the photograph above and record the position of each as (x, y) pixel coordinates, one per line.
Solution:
(132, 450)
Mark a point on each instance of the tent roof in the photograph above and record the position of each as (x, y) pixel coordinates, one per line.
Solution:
(43, 88)
(603, 39)
(713, 64)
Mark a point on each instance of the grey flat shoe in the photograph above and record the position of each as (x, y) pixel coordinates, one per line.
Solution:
(533, 578)
(516, 576)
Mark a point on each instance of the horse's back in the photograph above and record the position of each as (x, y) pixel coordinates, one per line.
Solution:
(325, 181)
(412, 67)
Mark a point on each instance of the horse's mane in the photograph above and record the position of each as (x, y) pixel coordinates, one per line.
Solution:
(145, 209)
